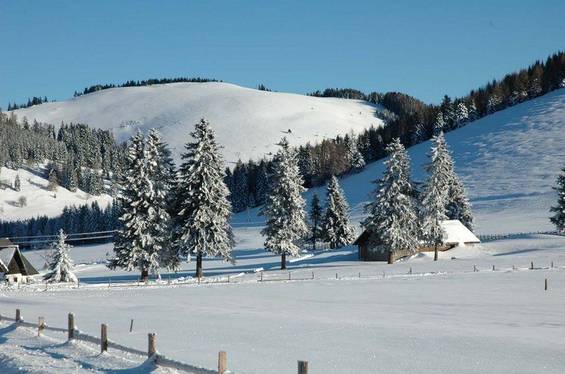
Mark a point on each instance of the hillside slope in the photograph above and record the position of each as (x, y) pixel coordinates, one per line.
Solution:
(248, 122)
(508, 162)
(39, 200)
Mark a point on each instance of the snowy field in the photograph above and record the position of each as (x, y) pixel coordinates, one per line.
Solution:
(248, 122)
(441, 318)
(413, 316)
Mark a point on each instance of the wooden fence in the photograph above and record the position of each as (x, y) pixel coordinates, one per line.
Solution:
(105, 344)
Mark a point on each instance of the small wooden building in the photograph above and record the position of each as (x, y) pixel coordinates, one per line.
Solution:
(14, 267)
(455, 234)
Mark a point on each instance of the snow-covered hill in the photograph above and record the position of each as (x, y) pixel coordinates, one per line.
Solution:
(508, 162)
(248, 122)
(39, 200)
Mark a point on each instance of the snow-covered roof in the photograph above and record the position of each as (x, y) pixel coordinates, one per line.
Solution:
(6, 255)
(456, 232)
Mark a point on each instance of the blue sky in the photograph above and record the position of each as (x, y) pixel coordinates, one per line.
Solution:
(424, 48)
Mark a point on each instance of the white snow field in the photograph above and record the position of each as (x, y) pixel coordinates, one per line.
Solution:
(248, 122)
(39, 200)
(507, 161)
(414, 316)
(418, 316)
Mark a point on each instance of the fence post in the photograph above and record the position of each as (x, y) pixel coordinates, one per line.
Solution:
(151, 344)
(302, 367)
(71, 326)
(40, 325)
(18, 316)
(103, 338)
(493, 268)
(532, 265)
(546, 284)
(222, 362)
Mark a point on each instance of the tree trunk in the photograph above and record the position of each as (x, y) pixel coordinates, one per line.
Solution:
(144, 275)
(390, 259)
(283, 261)
(435, 252)
(199, 265)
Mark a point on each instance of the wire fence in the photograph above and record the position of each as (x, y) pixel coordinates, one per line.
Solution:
(517, 235)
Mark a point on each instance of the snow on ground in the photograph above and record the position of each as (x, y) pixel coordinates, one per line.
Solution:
(508, 162)
(22, 351)
(248, 122)
(443, 317)
(40, 201)
(416, 315)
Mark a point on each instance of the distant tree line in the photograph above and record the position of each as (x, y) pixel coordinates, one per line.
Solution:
(86, 218)
(147, 82)
(79, 156)
(406, 118)
(30, 102)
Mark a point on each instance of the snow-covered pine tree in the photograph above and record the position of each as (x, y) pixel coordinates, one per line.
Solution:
(458, 206)
(135, 247)
(336, 228)
(203, 220)
(473, 112)
(558, 219)
(161, 176)
(60, 263)
(391, 223)
(284, 206)
(315, 220)
(461, 114)
(434, 198)
(357, 162)
(439, 124)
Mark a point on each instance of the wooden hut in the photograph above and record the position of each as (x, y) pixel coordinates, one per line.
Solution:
(14, 267)
(455, 234)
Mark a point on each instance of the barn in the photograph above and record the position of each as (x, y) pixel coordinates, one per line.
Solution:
(14, 267)
(455, 234)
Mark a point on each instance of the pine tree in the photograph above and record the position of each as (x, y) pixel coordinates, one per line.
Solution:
(439, 124)
(60, 264)
(434, 198)
(357, 160)
(315, 220)
(391, 223)
(159, 174)
(284, 208)
(458, 206)
(473, 112)
(203, 219)
(262, 183)
(461, 114)
(336, 228)
(558, 219)
(135, 246)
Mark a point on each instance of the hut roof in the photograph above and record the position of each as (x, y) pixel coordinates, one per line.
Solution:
(456, 232)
